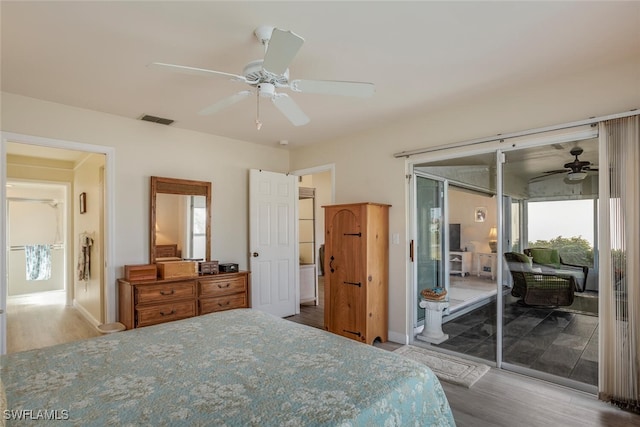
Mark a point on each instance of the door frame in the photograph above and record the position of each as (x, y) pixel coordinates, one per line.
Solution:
(110, 302)
(330, 167)
(444, 244)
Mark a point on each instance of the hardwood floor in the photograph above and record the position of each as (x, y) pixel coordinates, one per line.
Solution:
(43, 320)
(502, 398)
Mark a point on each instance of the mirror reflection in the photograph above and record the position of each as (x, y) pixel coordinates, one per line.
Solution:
(181, 221)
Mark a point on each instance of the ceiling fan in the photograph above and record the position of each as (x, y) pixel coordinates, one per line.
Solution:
(271, 73)
(576, 170)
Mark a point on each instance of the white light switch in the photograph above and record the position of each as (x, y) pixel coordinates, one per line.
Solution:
(395, 238)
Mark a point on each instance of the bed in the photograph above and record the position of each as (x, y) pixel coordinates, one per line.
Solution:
(168, 253)
(239, 367)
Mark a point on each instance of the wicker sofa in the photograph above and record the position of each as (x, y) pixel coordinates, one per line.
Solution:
(537, 288)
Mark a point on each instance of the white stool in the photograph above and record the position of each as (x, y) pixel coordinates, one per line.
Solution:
(432, 331)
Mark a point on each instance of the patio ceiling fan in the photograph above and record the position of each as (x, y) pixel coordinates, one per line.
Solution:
(266, 75)
(576, 170)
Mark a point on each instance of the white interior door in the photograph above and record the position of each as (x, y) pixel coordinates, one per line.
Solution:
(273, 242)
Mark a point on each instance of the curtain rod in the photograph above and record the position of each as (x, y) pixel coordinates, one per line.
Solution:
(27, 199)
(22, 247)
(499, 137)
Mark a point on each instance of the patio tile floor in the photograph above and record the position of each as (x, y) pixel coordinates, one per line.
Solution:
(549, 340)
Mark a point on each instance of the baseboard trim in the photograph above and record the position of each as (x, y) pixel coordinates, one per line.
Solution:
(83, 311)
(398, 338)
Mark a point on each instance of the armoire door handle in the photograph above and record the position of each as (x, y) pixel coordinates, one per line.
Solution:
(358, 284)
(331, 264)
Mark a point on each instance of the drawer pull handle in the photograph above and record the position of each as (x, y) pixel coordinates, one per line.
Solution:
(225, 286)
(173, 291)
(224, 305)
(162, 313)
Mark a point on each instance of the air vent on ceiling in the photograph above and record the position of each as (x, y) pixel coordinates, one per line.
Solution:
(155, 119)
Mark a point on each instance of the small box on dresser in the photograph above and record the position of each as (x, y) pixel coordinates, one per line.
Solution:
(208, 267)
(228, 268)
(177, 269)
(140, 272)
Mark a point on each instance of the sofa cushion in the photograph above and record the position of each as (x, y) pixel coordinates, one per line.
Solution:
(546, 256)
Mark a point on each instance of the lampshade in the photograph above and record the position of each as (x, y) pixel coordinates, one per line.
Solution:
(493, 233)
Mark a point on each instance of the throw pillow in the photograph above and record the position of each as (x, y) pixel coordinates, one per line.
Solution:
(546, 256)
(518, 261)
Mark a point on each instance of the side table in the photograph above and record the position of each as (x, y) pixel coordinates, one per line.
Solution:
(486, 264)
(432, 331)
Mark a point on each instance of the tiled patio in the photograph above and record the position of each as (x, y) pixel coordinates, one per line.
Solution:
(562, 342)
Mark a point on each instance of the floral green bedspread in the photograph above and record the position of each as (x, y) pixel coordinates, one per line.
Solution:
(234, 368)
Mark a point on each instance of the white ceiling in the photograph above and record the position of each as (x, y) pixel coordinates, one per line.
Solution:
(420, 55)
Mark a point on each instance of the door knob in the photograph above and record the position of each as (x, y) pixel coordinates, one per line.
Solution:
(255, 254)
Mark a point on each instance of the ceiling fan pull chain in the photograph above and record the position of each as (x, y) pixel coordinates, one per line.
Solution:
(258, 122)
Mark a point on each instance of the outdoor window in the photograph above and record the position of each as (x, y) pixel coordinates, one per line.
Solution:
(567, 226)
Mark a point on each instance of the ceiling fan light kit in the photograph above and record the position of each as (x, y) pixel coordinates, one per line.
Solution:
(271, 73)
(577, 170)
(576, 176)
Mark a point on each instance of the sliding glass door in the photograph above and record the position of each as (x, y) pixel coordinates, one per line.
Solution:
(429, 245)
(550, 314)
(524, 317)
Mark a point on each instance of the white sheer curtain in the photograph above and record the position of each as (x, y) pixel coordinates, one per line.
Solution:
(619, 277)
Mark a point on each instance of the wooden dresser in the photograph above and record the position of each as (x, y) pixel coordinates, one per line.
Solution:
(149, 302)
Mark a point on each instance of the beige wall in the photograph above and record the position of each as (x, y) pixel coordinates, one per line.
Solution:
(364, 164)
(145, 149)
(367, 171)
(473, 235)
(87, 179)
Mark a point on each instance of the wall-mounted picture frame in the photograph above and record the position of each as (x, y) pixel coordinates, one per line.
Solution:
(83, 202)
(480, 214)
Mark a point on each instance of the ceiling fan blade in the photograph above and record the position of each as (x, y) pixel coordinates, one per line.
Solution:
(195, 71)
(332, 87)
(553, 172)
(224, 103)
(281, 50)
(290, 109)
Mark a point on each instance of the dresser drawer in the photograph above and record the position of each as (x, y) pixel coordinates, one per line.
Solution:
(165, 292)
(214, 287)
(209, 305)
(165, 313)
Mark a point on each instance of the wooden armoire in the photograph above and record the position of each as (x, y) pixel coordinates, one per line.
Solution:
(356, 271)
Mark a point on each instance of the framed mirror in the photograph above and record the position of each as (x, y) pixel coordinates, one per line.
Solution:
(180, 225)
